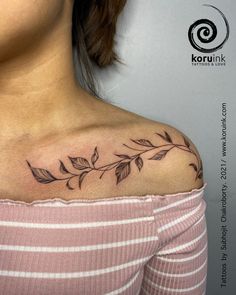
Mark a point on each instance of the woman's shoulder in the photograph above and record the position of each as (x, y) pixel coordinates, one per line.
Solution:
(143, 156)
(130, 155)
(170, 158)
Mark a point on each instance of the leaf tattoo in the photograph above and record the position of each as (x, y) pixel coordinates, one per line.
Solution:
(194, 166)
(63, 169)
(81, 177)
(123, 156)
(122, 166)
(41, 175)
(144, 142)
(122, 171)
(139, 162)
(95, 156)
(166, 137)
(160, 155)
(186, 141)
(79, 163)
(68, 185)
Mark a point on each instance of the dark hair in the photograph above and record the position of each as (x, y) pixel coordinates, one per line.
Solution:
(93, 32)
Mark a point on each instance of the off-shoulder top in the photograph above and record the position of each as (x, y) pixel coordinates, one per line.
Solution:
(151, 244)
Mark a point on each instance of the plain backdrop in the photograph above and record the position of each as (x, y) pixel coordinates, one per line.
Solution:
(160, 83)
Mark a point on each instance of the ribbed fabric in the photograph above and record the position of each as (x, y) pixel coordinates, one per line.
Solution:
(152, 244)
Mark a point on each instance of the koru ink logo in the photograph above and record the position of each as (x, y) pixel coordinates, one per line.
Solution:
(201, 34)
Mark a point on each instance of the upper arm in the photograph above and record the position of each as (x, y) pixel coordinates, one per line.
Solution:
(179, 264)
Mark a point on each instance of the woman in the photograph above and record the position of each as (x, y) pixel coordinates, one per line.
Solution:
(93, 199)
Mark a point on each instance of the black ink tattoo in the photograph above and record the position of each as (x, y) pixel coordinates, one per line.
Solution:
(122, 167)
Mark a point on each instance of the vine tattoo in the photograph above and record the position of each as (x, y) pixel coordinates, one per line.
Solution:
(122, 167)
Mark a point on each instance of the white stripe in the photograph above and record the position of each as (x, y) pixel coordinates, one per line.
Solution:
(182, 259)
(203, 216)
(74, 225)
(178, 220)
(124, 288)
(98, 202)
(178, 290)
(178, 275)
(187, 199)
(57, 202)
(70, 275)
(75, 248)
(180, 247)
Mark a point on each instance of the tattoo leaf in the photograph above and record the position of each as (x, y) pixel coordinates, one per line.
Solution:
(162, 136)
(63, 168)
(201, 164)
(139, 162)
(159, 156)
(194, 166)
(41, 175)
(79, 163)
(122, 171)
(186, 141)
(95, 156)
(68, 185)
(122, 156)
(166, 137)
(200, 174)
(81, 177)
(144, 142)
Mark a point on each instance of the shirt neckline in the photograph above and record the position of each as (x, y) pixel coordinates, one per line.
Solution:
(100, 200)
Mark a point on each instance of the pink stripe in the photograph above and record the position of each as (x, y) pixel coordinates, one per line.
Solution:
(123, 245)
(74, 237)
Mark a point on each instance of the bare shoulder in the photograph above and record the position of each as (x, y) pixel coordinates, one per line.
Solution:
(132, 156)
(172, 161)
(169, 159)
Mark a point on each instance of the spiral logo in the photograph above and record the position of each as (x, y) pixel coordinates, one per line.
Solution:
(204, 31)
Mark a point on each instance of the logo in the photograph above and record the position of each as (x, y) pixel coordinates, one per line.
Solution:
(202, 36)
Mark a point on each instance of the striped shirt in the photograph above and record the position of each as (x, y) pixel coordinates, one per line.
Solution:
(151, 244)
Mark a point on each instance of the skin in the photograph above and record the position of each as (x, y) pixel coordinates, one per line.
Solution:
(45, 115)
(39, 92)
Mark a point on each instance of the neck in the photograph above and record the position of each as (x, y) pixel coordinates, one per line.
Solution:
(39, 93)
